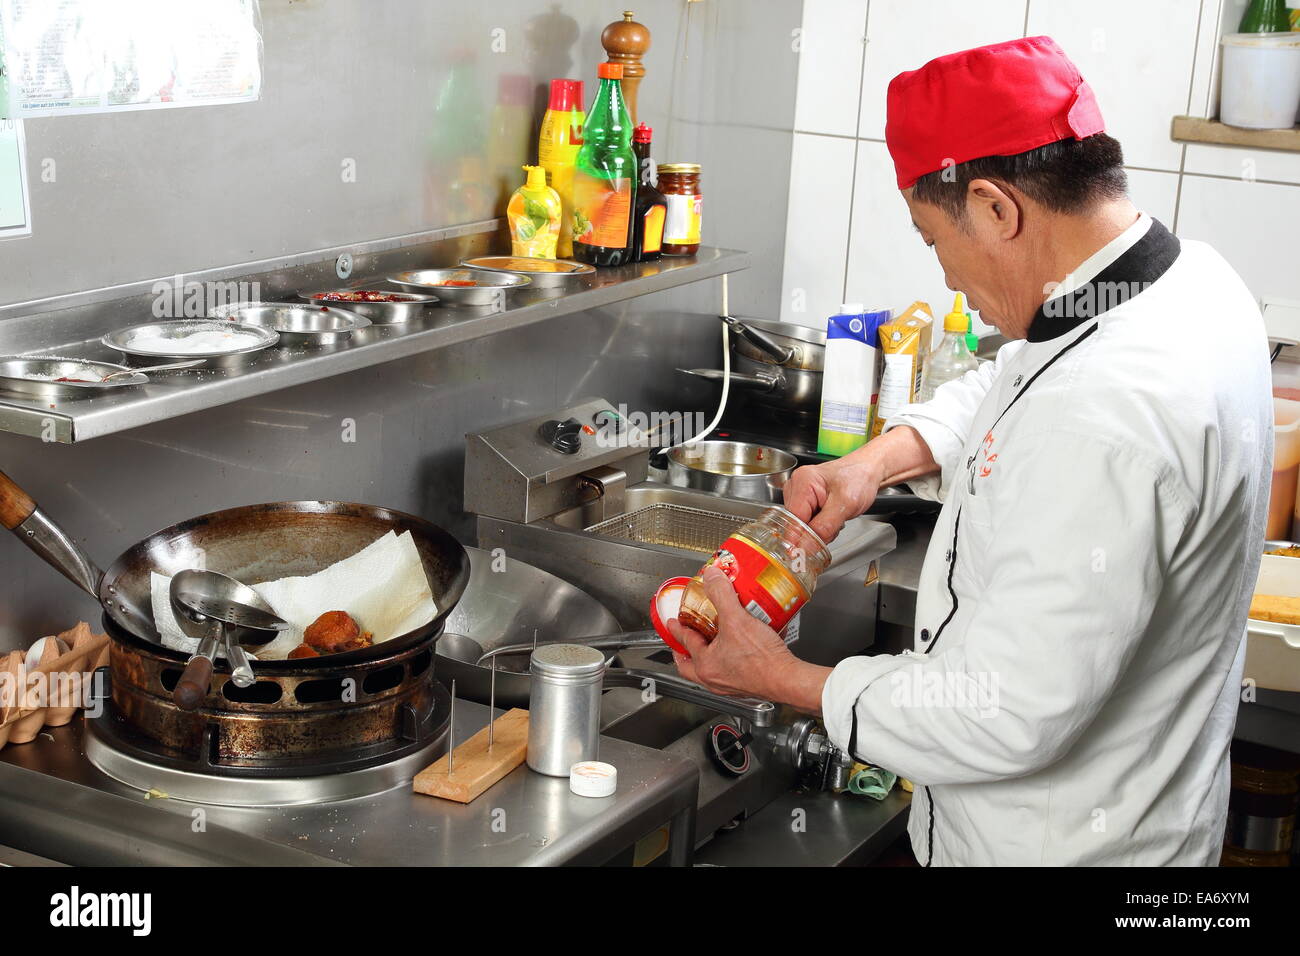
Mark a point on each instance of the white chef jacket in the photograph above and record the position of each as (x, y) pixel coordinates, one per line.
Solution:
(1081, 610)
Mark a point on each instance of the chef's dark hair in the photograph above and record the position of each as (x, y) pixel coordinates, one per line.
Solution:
(1067, 176)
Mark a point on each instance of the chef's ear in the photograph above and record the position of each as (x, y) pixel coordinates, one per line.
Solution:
(994, 207)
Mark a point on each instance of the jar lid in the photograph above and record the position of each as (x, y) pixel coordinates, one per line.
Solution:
(592, 778)
(664, 606)
(671, 168)
(567, 660)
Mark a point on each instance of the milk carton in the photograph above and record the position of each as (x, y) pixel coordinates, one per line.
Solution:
(849, 383)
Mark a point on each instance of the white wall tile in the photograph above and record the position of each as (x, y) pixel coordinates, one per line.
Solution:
(1156, 194)
(1137, 57)
(1250, 225)
(817, 230)
(830, 66)
(889, 266)
(904, 35)
(1239, 162)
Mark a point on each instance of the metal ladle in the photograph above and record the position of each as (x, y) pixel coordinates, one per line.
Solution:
(215, 608)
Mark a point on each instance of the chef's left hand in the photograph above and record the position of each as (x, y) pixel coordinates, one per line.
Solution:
(747, 658)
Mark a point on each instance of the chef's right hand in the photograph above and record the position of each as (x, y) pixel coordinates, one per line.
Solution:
(828, 495)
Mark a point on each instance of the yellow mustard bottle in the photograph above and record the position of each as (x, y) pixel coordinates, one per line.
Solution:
(557, 150)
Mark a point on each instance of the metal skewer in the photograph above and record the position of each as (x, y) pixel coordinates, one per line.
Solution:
(451, 732)
(492, 704)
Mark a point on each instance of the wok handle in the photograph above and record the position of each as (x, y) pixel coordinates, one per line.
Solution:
(19, 513)
(778, 353)
(16, 505)
(192, 689)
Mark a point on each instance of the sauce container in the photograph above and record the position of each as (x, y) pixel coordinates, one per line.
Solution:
(773, 563)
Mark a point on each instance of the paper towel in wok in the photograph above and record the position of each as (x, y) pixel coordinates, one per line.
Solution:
(383, 586)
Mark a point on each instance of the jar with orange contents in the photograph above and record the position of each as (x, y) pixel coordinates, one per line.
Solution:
(680, 185)
(773, 563)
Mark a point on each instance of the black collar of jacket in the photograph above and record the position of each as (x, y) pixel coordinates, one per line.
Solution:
(1145, 261)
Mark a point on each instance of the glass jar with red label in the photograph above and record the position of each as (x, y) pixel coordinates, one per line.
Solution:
(773, 563)
(680, 185)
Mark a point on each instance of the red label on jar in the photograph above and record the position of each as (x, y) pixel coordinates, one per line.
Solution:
(766, 590)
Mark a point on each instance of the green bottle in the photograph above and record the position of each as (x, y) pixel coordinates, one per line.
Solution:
(1266, 16)
(605, 177)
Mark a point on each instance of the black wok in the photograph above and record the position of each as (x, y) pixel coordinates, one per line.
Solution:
(253, 544)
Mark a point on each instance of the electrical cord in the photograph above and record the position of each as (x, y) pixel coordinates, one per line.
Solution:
(726, 376)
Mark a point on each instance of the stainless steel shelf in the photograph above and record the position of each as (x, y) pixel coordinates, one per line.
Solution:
(181, 393)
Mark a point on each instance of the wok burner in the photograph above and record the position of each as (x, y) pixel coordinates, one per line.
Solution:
(207, 775)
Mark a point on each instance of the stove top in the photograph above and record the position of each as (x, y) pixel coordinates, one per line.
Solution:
(55, 802)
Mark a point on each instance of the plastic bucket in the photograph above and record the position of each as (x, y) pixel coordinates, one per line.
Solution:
(1286, 470)
(1261, 80)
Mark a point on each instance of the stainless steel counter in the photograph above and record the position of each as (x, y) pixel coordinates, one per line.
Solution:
(54, 803)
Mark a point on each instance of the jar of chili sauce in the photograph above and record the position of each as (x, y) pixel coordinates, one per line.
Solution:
(773, 563)
(680, 185)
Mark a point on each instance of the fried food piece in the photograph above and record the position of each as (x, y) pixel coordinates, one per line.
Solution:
(334, 632)
(1290, 552)
(1275, 608)
(303, 650)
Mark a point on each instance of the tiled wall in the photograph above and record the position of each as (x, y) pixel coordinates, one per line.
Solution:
(848, 234)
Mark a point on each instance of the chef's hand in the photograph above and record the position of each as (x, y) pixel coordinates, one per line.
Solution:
(828, 495)
(747, 658)
(744, 655)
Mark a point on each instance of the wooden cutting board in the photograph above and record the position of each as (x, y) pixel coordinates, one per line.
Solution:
(476, 769)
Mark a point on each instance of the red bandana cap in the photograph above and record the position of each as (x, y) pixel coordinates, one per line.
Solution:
(994, 100)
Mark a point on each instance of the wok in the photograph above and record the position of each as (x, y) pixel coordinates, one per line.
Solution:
(253, 544)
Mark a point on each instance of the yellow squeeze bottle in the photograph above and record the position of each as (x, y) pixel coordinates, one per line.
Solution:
(534, 214)
(557, 150)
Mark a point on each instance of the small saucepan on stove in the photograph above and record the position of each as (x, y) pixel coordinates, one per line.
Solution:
(732, 468)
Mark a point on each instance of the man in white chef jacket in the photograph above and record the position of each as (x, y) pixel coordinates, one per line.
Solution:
(1080, 616)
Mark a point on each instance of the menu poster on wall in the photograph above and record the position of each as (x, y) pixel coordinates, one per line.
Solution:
(15, 210)
(94, 56)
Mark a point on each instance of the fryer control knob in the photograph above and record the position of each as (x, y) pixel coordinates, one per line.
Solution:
(563, 436)
(729, 748)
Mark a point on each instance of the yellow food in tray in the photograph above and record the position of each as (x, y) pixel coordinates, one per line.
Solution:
(1291, 551)
(1275, 608)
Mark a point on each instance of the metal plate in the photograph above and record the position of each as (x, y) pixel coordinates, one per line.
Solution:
(544, 273)
(490, 289)
(31, 376)
(297, 324)
(179, 328)
(380, 313)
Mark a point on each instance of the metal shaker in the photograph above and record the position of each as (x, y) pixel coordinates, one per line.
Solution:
(564, 708)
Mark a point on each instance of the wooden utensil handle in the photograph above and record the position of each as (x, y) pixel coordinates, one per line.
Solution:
(16, 505)
(192, 688)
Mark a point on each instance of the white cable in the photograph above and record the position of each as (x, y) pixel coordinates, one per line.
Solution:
(726, 374)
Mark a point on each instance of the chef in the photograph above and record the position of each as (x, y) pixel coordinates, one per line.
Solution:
(1080, 617)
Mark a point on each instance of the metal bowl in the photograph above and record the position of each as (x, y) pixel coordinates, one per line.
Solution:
(34, 376)
(544, 273)
(300, 324)
(180, 328)
(733, 468)
(491, 287)
(380, 313)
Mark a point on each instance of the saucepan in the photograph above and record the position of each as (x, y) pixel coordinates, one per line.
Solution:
(778, 365)
(732, 468)
(253, 544)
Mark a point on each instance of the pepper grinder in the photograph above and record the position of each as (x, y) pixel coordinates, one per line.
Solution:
(626, 41)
